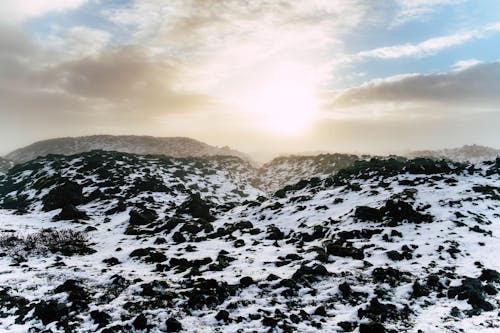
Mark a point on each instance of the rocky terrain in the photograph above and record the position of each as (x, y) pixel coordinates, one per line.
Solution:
(168, 146)
(289, 170)
(115, 242)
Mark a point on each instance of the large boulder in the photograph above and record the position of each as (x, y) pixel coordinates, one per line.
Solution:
(69, 193)
(365, 213)
(196, 207)
(70, 213)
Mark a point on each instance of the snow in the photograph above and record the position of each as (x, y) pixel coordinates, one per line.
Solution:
(36, 278)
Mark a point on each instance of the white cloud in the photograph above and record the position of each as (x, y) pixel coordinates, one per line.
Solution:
(419, 10)
(464, 64)
(14, 11)
(424, 48)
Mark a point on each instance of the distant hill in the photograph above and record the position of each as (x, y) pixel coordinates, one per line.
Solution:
(169, 146)
(5, 165)
(287, 170)
(471, 153)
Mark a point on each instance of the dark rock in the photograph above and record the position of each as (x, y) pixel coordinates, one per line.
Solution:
(155, 288)
(395, 233)
(389, 275)
(347, 326)
(15, 305)
(70, 193)
(419, 290)
(270, 321)
(100, 318)
(395, 255)
(455, 312)
(196, 207)
(140, 322)
(142, 218)
(246, 281)
(490, 289)
(173, 325)
(239, 243)
(345, 290)
(344, 251)
(358, 234)
(365, 213)
(208, 292)
(178, 237)
(402, 211)
(381, 312)
(50, 311)
(274, 233)
(111, 261)
(433, 282)
(222, 315)
(77, 294)
(320, 311)
(69, 213)
(309, 273)
(473, 291)
(149, 254)
(489, 275)
(371, 328)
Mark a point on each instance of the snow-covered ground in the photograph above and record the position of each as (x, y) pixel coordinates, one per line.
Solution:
(306, 260)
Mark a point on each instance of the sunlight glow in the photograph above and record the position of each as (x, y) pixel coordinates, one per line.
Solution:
(285, 103)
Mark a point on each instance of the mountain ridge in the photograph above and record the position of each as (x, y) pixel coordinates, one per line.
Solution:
(168, 146)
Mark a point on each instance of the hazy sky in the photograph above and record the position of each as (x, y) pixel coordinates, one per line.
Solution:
(260, 76)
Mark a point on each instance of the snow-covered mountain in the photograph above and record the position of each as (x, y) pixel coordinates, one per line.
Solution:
(168, 146)
(114, 242)
(471, 153)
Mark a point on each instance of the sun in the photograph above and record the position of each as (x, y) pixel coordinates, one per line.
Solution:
(284, 103)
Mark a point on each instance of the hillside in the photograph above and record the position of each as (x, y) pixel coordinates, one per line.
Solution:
(5, 165)
(114, 242)
(169, 146)
(471, 153)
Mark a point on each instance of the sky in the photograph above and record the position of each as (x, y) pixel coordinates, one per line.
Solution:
(261, 76)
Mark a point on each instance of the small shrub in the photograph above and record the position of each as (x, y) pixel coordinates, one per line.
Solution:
(65, 241)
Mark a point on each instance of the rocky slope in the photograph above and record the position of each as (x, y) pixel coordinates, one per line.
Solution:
(471, 153)
(113, 242)
(169, 146)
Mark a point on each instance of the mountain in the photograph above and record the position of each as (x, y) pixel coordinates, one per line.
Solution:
(170, 146)
(472, 153)
(115, 242)
(5, 165)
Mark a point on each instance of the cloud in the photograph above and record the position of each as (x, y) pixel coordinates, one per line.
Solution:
(420, 10)
(425, 48)
(14, 11)
(129, 77)
(114, 81)
(464, 64)
(474, 87)
(223, 39)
